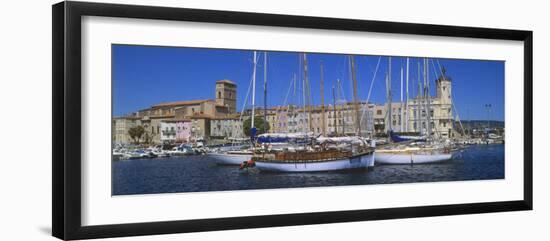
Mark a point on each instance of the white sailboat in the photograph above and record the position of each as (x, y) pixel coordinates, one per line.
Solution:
(410, 152)
(231, 157)
(237, 157)
(413, 155)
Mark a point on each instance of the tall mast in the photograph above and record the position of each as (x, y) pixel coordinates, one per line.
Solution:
(388, 94)
(407, 99)
(265, 89)
(303, 98)
(427, 96)
(294, 90)
(401, 122)
(323, 101)
(253, 90)
(419, 99)
(334, 113)
(355, 104)
(294, 98)
(307, 93)
(342, 108)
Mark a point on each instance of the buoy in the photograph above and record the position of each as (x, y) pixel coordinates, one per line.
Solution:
(247, 164)
(251, 163)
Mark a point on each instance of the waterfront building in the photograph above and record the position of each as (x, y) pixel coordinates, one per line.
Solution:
(222, 105)
(168, 132)
(226, 127)
(175, 131)
(152, 126)
(183, 130)
(272, 120)
(280, 120)
(297, 121)
(120, 128)
(191, 116)
(379, 120)
(200, 127)
(341, 120)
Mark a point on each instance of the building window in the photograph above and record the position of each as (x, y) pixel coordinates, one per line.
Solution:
(219, 94)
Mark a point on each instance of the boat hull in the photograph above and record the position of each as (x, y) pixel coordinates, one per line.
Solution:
(229, 159)
(355, 162)
(411, 158)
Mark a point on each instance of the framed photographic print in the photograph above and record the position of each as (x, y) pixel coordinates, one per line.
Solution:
(170, 120)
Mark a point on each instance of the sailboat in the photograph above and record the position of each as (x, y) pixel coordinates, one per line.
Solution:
(231, 157)
(237, 157)
(412, 149)
(410, 154)
(320, 155)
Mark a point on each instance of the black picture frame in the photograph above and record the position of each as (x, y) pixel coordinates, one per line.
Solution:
(66, 127)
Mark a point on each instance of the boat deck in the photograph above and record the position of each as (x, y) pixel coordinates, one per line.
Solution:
(309, 156)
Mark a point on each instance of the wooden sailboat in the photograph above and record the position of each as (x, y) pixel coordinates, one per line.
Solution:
(349, 153)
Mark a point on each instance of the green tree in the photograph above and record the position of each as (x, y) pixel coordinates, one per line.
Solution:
(136, 133)
(261, 126)
(148, 137)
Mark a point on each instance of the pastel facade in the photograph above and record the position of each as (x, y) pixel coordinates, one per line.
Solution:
(183, 131)
(168, 132)
(228, 127)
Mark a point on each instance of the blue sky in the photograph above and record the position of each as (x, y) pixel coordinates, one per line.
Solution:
(147, 75)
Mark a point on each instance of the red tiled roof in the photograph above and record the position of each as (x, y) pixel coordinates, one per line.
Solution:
(180, 103)
(225, 118)
(127, 117)
(161, 116)
(178, 120)
(201, 116)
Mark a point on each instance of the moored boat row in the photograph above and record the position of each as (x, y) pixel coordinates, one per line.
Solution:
(153, 152)
(295, 152)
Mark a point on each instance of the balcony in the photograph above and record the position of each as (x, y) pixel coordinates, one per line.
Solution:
(169, 132)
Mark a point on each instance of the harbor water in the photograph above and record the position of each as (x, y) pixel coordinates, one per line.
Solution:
(200, 174)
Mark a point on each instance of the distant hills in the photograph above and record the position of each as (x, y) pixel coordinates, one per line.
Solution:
(477, 124)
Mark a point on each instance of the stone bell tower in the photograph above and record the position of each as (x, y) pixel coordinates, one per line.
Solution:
(444, 114)
(444, 89)
(226, 94)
